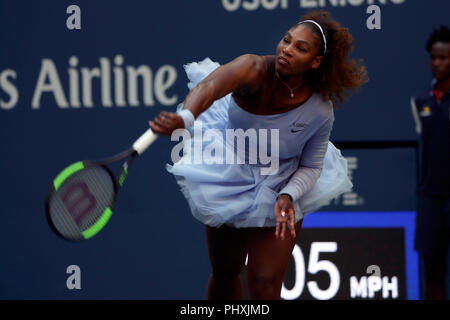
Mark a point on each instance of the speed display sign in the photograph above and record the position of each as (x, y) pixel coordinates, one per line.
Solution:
(357, 255)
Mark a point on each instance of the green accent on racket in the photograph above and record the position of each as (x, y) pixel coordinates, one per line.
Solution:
(92, 231)
(123, 176)
(81, 200)
(67, 172)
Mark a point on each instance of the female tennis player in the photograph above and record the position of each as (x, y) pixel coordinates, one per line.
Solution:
(247, 212)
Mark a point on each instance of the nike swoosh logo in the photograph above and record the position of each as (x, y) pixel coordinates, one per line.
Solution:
(297, 127)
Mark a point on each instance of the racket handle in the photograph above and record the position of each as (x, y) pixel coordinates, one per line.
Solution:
(144, 141)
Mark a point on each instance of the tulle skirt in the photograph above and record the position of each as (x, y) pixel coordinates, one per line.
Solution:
(239, 195)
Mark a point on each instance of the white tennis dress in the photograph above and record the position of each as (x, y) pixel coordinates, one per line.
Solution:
(241, 194)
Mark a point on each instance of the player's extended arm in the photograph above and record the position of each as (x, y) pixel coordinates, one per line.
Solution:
(245, 71)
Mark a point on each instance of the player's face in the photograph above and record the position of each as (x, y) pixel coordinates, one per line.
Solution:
(297, 52)
(440, 60)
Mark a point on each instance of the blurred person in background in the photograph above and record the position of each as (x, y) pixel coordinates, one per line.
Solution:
(431, 112)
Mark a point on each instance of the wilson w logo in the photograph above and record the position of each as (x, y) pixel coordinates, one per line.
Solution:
(78, 200)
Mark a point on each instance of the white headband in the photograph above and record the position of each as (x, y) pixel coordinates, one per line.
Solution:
(321, 31)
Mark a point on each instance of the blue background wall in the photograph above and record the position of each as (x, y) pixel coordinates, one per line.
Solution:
(152, 248)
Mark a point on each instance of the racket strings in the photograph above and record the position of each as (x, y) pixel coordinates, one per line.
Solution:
(81, 201)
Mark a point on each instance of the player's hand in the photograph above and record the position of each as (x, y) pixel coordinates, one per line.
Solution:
(166, 122)
(285, 216)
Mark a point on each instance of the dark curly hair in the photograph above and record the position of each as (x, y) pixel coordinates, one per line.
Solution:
(442, 34)
(338, 75)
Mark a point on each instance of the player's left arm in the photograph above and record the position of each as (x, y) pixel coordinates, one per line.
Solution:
(311, 162)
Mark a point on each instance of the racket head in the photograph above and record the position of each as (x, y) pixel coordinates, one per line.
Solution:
(80, 201)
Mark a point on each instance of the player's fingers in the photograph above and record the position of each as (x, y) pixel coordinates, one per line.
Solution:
(163, 114)
(283, 230)
(292, 222)
(277, 230)
(154, 127)
(160, 117)
(161, 122)
(157, 128)
(170, 120)
(170, 115)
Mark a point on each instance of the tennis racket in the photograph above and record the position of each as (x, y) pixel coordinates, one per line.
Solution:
(82, 196)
